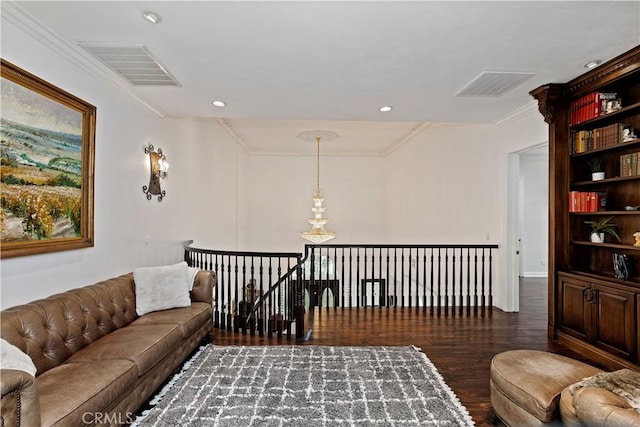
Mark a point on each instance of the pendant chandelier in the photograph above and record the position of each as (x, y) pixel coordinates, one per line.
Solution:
(318, 234)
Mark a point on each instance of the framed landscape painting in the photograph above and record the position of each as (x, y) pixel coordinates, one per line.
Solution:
(47, 139)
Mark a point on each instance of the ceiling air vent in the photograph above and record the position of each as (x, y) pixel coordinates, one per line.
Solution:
(133, 62)
(493, 84)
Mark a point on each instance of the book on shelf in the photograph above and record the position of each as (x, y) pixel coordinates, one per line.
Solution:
(629, 164)
(592, 105)
(587, 201)
(602, 137)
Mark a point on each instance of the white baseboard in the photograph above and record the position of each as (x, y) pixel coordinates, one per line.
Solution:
(534, 274)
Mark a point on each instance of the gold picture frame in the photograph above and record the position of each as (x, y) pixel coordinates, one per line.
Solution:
(47, 169)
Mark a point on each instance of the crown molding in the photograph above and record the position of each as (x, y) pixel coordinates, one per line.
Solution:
(411, 133)
(516, 113)
(16, 15)
(226, 125)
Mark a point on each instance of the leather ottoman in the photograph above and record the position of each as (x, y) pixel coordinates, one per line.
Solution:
(526, 385)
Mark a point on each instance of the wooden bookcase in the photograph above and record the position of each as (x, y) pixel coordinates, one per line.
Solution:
(590, 309)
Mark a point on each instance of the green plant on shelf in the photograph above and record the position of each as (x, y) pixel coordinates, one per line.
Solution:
(600, 228)
(596, 165)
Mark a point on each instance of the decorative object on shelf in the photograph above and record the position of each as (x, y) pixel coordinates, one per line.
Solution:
(628, 133)
(621, 266)
(597, 169)
(48, 156)
(318, 234)
(613, 105)
(599, 228)
(636, 236)
(158, 172)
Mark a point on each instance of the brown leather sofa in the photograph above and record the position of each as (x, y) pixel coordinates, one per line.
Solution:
(97, 361)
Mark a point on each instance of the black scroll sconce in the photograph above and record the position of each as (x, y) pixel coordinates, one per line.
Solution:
(158, 172)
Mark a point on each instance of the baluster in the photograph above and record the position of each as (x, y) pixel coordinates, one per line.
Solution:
(482, 296)
(251, 320)
(417, 262)
(402, 277)
(432, 283)
(350, 278)
(453, 281)
(229, 312)
(468, 281)
(389, 285)
(446, 281)
(358, 290)
(373, 283)
(342, 300)
(424, 279)
(261, 307)
(409, 278)
(490, 280)
(234, 312)
(218, 295)
(475, 281)
(461, 293)
(382, 290)
(395, 277)
(223, 323)
(439, 280)
(270, 311)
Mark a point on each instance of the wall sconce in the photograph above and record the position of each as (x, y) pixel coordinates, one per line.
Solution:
(158, 172)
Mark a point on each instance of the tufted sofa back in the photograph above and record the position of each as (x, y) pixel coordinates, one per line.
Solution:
(50, 330)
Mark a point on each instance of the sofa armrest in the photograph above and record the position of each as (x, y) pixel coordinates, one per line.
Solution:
(20, 404)
(600, 407)
(203, 286)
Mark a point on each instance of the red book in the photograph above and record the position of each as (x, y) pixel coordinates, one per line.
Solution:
(573, 201)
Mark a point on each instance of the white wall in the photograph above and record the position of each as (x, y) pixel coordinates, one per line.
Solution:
(276, 200)
(444, 186)
(200, 188)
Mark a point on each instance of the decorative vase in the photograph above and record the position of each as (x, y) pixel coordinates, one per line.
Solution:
(597, 237)
(621, 266)
(597, 176)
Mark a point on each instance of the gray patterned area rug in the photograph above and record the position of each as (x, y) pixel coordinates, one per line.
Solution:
(307, 386)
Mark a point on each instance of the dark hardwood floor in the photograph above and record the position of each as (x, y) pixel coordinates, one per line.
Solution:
(461, 347)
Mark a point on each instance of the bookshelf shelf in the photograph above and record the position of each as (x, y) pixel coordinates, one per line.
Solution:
(606, 245)
(607, 273)
(607, 213)
(619, 147)
(605, 181)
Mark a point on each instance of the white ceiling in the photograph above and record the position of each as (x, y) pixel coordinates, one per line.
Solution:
(287, 67)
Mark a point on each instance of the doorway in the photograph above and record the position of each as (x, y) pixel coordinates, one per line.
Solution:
(373, 292)
(527, 219)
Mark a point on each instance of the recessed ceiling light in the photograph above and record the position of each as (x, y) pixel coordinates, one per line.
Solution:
(386, 108)
(219, 103)
(154, 18)
(592, 64)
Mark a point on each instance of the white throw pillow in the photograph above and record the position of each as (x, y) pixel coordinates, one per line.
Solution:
(161, 288)
(12, 357)
(191, 275)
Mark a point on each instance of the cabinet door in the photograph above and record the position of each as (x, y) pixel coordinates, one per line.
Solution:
(638, 327)
(574, 315)
(615, 326)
